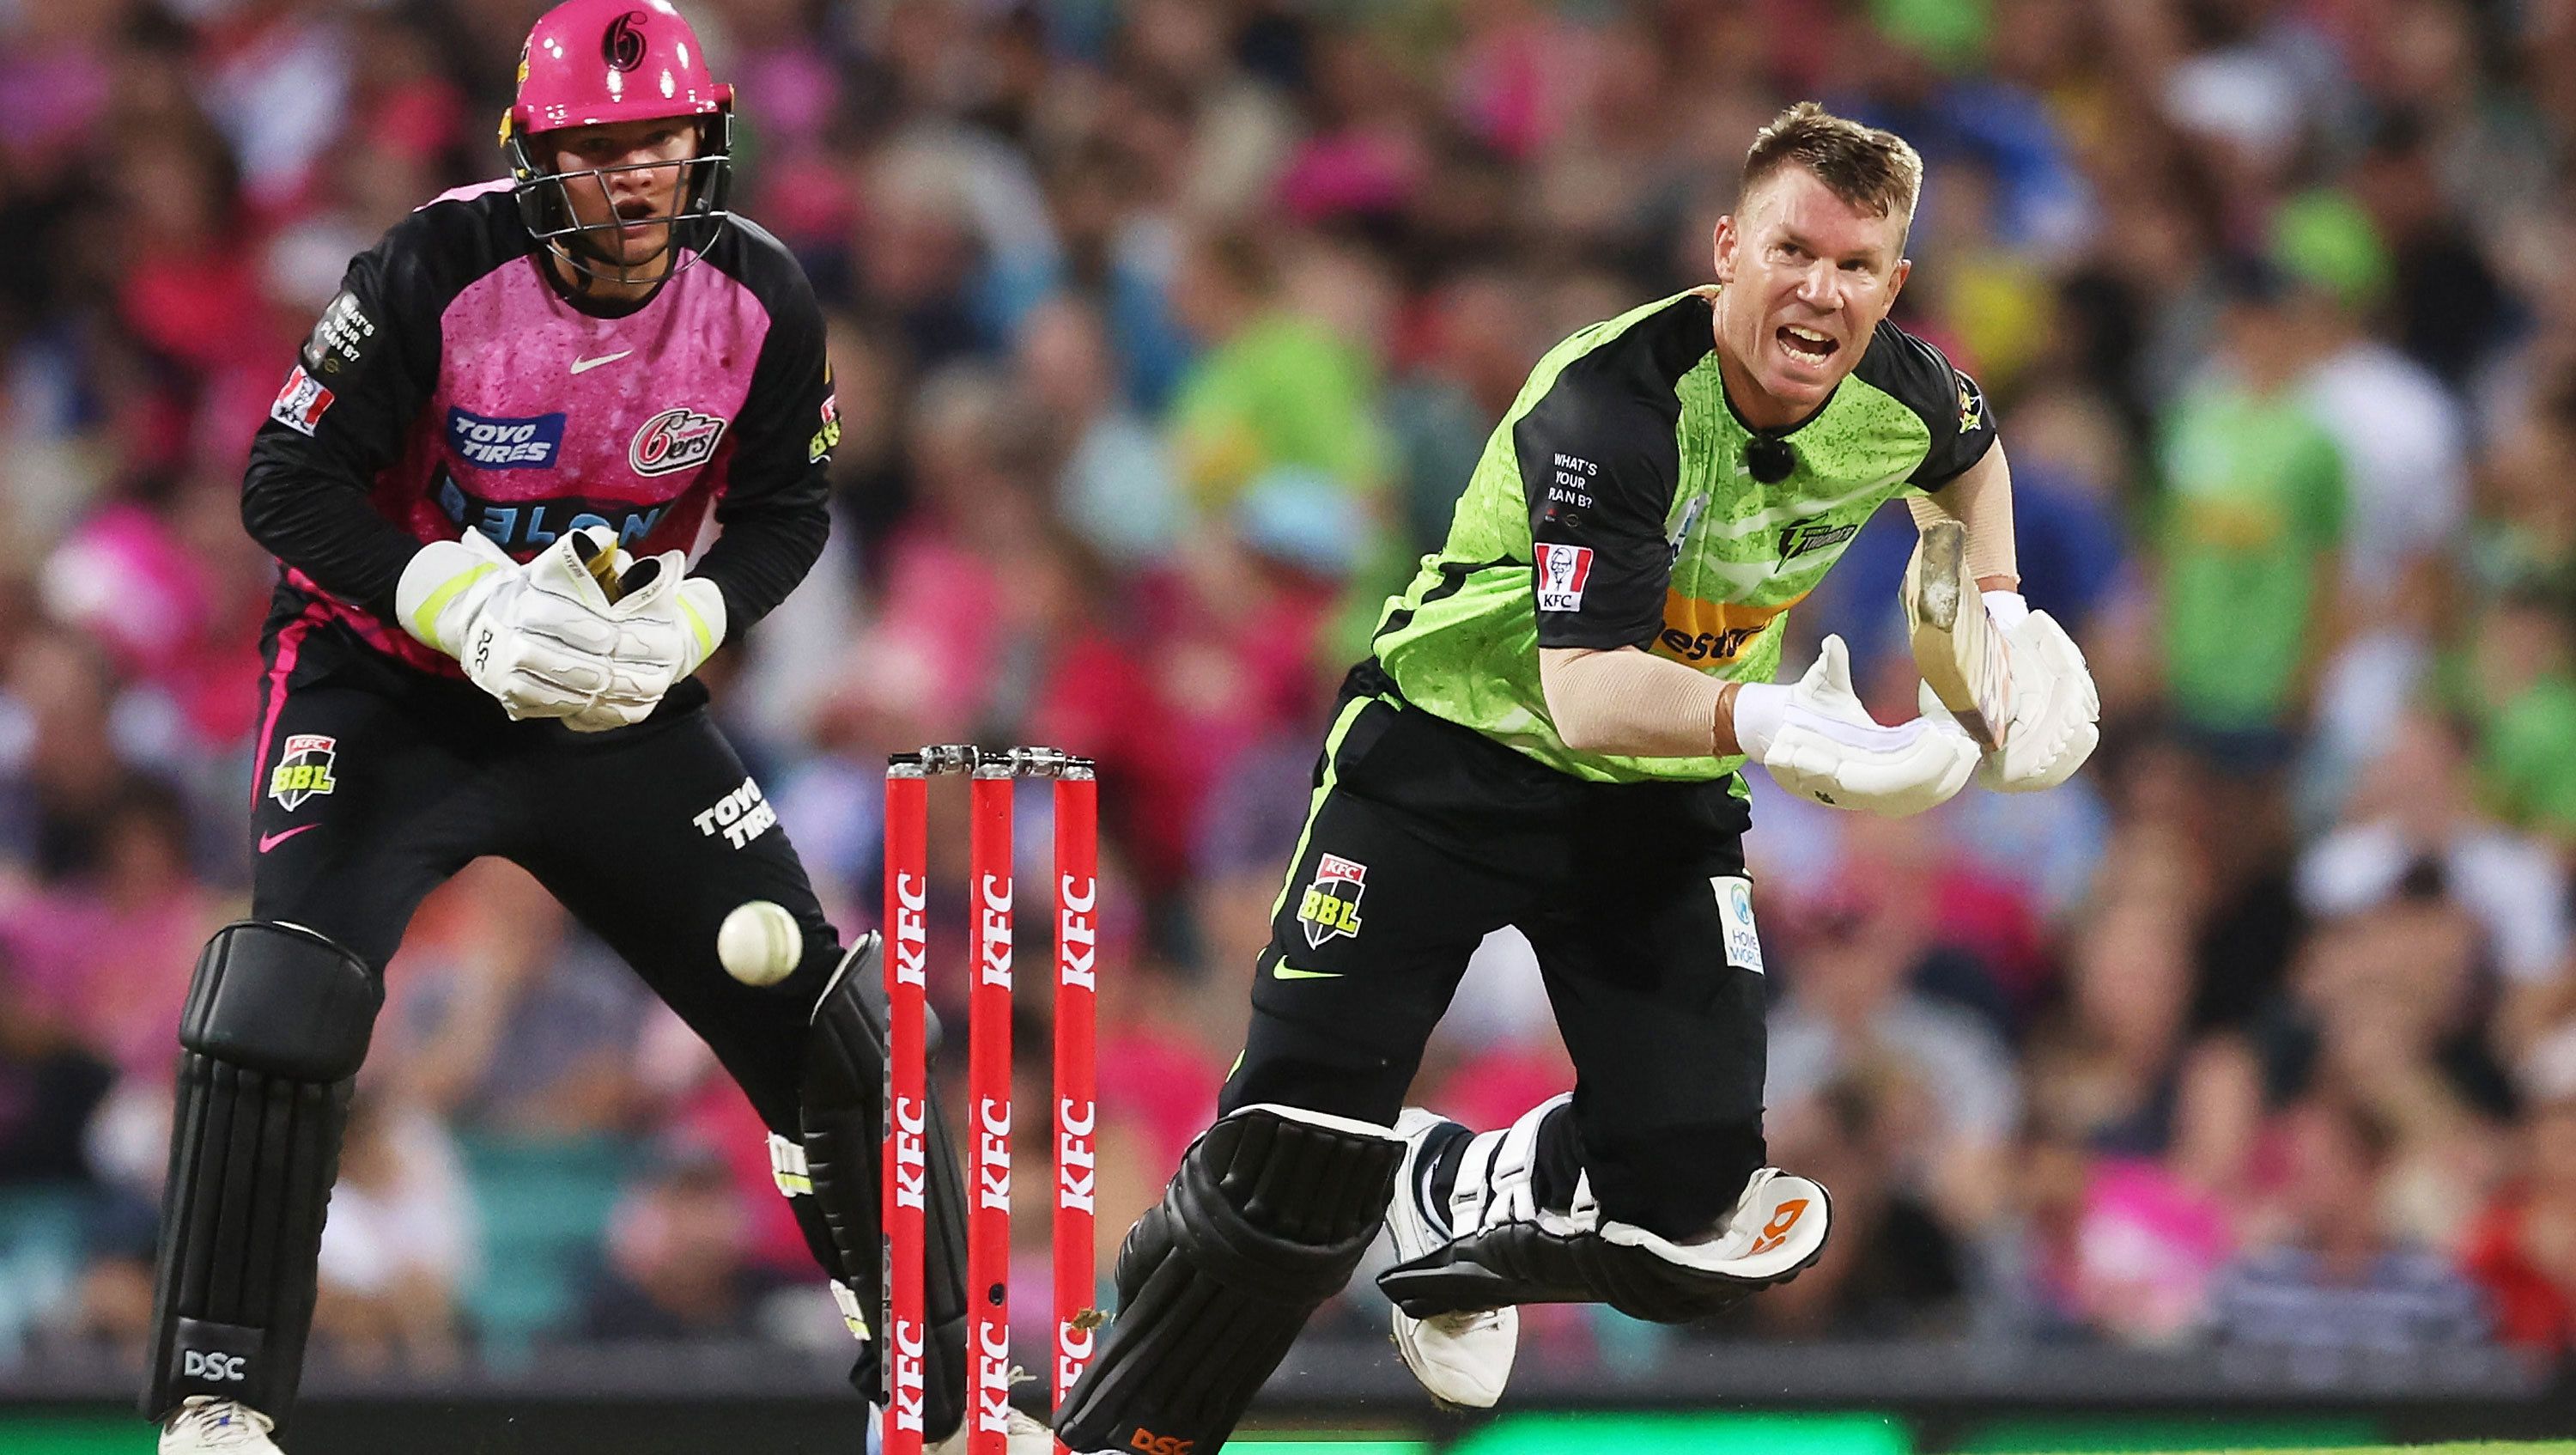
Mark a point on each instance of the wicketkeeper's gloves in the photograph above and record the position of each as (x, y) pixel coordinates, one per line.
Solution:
(535, 636)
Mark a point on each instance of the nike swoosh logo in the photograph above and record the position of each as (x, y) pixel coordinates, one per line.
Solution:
(271, 841)
(1286, 971)
(584, 365)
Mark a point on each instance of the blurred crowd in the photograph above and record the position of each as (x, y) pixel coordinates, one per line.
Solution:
(1166, 332)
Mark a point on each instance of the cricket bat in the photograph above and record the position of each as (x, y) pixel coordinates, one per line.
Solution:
(602, 566)
(1956, 647)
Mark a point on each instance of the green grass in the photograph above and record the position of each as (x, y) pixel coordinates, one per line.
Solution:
(2473, 1447)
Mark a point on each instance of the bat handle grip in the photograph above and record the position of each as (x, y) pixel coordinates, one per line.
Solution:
(602, 566)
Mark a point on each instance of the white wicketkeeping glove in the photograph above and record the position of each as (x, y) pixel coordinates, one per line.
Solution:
(667, 625)
(537, 637)
(1817, 741)
(2055, 708)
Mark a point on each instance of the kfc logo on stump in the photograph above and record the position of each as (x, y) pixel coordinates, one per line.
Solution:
(1562, 570)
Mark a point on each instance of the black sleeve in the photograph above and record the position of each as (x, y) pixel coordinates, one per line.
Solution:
(774, 508)
(1948, 402)
(1599, 463)
(356, 388)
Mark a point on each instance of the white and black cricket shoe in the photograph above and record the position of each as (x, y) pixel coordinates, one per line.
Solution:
(205, 1425)
(1461, 1358)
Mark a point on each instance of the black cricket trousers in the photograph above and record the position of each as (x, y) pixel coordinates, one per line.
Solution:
(376, 782)
(1423, 837)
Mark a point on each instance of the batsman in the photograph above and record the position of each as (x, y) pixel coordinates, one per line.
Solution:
(1549, 733)
(482, 479)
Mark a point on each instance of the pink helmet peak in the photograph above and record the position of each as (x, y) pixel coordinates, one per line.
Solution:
(589, 62)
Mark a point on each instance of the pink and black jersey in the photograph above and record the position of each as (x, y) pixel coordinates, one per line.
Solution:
(453, 386)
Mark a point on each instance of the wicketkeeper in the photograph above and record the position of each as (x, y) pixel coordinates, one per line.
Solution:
(527, 387)
(1549, 734)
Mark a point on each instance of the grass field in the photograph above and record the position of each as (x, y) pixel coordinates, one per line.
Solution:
(2479, 1447)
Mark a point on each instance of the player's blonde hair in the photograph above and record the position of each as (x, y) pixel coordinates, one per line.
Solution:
(1863, 165)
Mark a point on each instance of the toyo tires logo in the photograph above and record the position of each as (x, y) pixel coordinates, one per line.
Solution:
(675, 440)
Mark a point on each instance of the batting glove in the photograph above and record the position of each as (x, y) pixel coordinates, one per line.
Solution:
(2055, 707)
(1818, 742)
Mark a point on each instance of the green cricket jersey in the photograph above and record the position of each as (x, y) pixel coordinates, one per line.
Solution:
(1614, 507)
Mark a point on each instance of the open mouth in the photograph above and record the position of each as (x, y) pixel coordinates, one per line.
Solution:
(1805, 343)
(636, 213)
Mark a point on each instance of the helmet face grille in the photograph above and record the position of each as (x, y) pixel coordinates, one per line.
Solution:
(700, 214)
(599, 62)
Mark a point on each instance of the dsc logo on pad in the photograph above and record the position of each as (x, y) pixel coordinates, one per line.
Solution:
(504, 443)
(222, 1368)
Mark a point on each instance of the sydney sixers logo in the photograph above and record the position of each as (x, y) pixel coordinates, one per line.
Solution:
(675, 440)
(623, 45)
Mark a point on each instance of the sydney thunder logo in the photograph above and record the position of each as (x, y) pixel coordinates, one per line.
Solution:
(1331, 905)
(1808, 535)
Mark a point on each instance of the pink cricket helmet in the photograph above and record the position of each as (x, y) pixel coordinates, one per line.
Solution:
(596, 62)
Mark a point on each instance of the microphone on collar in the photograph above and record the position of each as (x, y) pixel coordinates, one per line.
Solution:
(1769, 459)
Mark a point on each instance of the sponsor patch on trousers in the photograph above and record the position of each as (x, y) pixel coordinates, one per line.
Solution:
(1331, 905)
(1735, 914)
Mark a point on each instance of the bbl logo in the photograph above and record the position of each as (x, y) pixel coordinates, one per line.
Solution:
(303, 770)
(1332, 903)
(830, 434)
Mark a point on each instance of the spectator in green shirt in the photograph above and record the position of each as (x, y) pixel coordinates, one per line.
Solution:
(1272, 388)
(2251, 520)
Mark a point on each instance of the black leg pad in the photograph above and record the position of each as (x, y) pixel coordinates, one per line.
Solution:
(276, 1024)
(1268, 1215)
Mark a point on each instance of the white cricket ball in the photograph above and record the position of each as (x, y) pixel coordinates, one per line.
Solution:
(759, 943)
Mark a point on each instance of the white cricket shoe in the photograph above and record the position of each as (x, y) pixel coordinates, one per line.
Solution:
(205, 1423)
(1024, 1436)
(1461, 1358)
(1776, 1230)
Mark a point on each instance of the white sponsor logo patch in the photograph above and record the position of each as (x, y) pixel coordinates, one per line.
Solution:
(301, 404)
(1735, 913)
(1562, 572)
